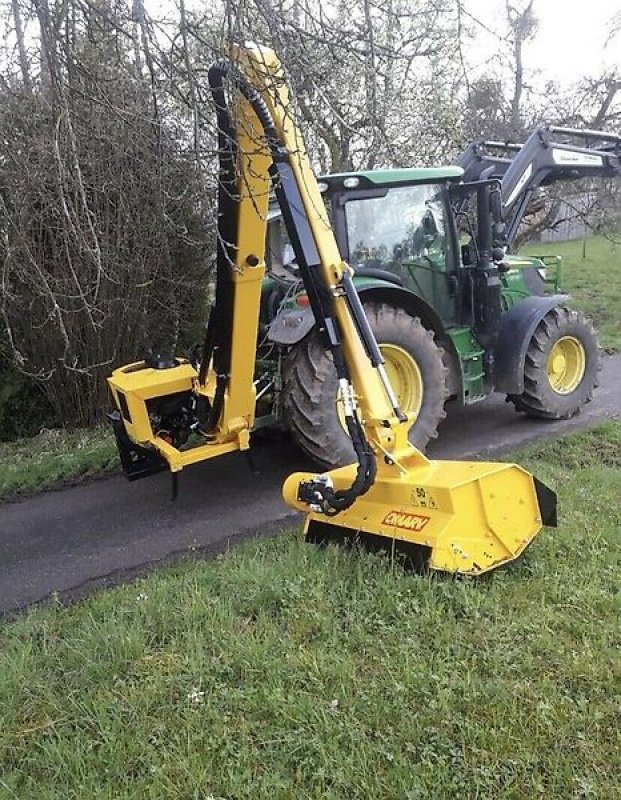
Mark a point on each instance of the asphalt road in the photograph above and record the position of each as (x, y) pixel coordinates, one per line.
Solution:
(72, 541)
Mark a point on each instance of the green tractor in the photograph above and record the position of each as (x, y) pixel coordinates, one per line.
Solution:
(455, 316)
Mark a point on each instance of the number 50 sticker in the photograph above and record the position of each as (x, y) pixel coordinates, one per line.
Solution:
(423, 498)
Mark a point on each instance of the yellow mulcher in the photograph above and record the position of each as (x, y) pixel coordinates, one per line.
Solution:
(462, 517)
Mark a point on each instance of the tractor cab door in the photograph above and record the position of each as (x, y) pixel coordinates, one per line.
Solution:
(404, 230)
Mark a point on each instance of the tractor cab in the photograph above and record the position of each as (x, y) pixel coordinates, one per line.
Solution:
(395, 227)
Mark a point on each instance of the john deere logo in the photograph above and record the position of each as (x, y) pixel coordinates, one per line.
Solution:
(409, 522)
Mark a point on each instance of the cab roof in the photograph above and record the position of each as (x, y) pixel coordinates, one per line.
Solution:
(392, 177)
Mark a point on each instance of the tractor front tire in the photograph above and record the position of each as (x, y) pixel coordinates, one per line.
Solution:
(414, 365)
(562, 365)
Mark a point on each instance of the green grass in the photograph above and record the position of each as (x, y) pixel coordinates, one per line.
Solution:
(54, 457)
(593, 282)
(285, 671)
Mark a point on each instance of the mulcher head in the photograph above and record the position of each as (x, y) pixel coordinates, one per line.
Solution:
(459, 517)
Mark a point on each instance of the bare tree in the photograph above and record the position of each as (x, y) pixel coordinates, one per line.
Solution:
(368, 78)
(107, 151)
(523, 25)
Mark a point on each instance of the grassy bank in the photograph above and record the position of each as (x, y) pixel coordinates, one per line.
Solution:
(594, 282)
(285, 671)
(53, 458)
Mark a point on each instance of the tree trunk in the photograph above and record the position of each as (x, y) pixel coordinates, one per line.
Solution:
(21, 47)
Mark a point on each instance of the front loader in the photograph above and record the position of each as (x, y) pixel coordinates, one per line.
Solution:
(462, 517)
(549, 155)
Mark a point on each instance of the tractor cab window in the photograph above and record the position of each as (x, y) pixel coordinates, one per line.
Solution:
(279, 255)
(404, 229)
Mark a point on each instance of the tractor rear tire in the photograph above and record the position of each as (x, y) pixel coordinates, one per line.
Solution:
(310, 385)
(562, 365)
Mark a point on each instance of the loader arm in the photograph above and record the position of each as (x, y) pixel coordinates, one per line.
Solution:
(463, 517)
(542, 161)
(486, 159)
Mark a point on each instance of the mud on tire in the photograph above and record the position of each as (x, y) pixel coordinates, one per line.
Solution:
(310, 386)
(539, 398)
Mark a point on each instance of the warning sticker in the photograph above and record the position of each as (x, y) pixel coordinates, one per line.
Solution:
(423, 498)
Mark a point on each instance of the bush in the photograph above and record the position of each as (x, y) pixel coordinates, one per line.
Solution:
(101, 233)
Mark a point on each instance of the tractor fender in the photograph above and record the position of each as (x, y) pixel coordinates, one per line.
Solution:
(516, 330)
(293, 324)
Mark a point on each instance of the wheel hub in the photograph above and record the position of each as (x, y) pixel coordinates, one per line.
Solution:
(404, 376)
(566, 364)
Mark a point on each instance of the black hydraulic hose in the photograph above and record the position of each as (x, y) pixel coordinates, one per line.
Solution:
(217, 341)
(216, 75)
(318, 492)
(219, 327)
(207, 349)
(366, 458)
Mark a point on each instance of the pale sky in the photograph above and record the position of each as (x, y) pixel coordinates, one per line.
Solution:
(570, 41)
